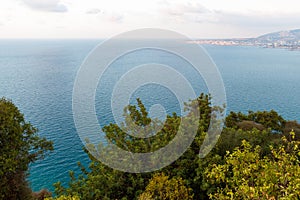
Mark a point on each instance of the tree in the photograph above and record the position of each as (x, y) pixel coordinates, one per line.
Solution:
(64, 198)
(246, 175)
(259, 120)
(99, 181)
(292, 126)
(102, 182)
(161, 187)
(19, 146)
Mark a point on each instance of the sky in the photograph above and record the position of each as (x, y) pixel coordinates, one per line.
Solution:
(107, 18)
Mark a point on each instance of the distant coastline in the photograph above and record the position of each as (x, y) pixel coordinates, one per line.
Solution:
(282, 40)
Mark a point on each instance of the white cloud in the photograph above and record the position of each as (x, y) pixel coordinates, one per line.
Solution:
(111, 16)
(253, 24)
(103, 18)
(258, 19)
(180, 9)
(115, 17)
(94, 11)
(46, 5)
(187, 11)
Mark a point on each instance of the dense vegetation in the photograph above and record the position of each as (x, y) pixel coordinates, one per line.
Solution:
(245, 174)
(220, 175)
(256, 157)
(19, 146)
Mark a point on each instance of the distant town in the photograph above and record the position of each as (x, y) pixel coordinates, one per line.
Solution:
(284, 39)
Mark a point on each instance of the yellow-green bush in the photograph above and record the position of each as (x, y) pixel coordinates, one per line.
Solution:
(162, 188)
(245, 175)
(64, 198)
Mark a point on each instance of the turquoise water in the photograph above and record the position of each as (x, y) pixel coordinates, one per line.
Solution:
(38, 75)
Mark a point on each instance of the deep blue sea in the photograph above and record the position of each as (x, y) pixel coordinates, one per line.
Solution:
(38, 75)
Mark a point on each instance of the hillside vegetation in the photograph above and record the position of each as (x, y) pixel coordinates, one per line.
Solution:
(256, 157)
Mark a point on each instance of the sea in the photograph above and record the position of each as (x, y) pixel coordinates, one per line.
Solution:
(39, 75)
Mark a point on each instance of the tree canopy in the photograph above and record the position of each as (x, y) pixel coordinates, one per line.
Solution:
(162, 188)
(19, 146)
(254, 139)
(247, 175)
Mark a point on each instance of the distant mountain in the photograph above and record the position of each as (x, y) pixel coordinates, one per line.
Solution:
(287, 36)
(282, 39)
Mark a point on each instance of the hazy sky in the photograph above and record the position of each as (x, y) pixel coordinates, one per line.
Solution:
(105, 18)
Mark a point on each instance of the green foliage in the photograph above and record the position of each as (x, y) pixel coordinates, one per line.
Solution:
(64, 198)
(215, 175)
(259, 120)
(102, 182)
(161, 187)
(232, 138)
(19, 146)
(246, 175)
(136, 123)
(228, 141)
(292, 126)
